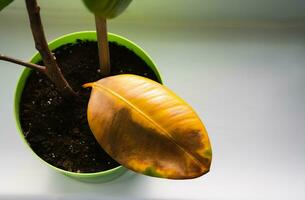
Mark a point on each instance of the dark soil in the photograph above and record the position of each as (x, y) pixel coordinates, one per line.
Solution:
(57, 129)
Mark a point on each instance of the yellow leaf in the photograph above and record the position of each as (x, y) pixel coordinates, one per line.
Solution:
(147, 128)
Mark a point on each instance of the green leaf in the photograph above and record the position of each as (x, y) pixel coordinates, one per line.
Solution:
(107, 8)
(147, 128)
(4, 3)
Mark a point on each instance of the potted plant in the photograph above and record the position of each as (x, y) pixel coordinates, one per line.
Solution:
(124, 119)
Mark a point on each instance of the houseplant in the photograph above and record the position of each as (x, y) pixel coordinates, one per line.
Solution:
(168, 141)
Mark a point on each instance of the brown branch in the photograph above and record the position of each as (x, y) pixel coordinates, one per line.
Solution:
(20, 62)
(101, 31)
(52, 69)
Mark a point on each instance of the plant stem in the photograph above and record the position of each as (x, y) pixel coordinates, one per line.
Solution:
(26, 64)
(52, 69)
(103, 48)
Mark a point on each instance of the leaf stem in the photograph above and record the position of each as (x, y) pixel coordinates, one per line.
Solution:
(20, 62)
(103, 48)
(86, 85)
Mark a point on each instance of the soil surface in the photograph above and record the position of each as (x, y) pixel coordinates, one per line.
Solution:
(56, 129)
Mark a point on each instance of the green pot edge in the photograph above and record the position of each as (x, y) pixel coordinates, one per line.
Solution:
(71, 38)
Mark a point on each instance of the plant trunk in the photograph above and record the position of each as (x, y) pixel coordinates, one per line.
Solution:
(103, 48)
(52, 69)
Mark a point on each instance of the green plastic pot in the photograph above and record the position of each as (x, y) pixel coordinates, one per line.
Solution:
(71, 38)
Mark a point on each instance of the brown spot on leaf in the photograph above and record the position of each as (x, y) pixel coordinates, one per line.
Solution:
(131, 140)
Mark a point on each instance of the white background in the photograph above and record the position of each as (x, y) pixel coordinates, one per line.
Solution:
(240, 64)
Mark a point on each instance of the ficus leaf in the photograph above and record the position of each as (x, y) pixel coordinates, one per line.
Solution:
(4, 3)
(107, 8)
(147, 128)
